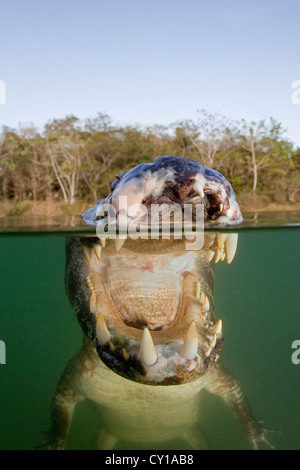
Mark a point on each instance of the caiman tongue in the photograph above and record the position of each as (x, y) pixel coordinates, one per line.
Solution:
(153, 302)
(148, 294)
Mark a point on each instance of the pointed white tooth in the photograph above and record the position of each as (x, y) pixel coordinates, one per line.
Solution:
(221, 237)
(218, 255)
(103, 242)
(147, 349)
(118, 243)
(202, 298)
(198, 188)
(98, 250)
(231, 246)
(213, 341)
(217, 328)
(189, 349)
(209, 255)
(93, 303)
(198, 290)
(103, 335)
(87, 253)
(125, 354)
(207, 352)
(221, 207)
(206, 304)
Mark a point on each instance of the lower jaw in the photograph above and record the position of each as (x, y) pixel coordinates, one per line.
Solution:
(169, 369)
(176, 355)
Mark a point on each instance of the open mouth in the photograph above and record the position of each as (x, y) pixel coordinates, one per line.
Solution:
(148, 304)
(150, 308)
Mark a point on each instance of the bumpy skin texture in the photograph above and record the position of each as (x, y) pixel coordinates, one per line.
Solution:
(154, 286)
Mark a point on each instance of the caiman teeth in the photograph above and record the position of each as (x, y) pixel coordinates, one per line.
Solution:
(93, 297)
(202, 298)
(89, 283)
(103, 242)
(231, 246)
(206, 304)
(219, 255)
(102, 333)
(198, 290)
(87, 253)
(189, 349)
(198, 188)
(118, 243)
(93, 303)
(98, 250)
(217, 328)
(221, 237)
(125, 354)
(213, 341)
(148, 354)
(209, 255)
(221, 207)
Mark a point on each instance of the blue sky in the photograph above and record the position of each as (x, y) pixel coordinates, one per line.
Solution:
(149, 62)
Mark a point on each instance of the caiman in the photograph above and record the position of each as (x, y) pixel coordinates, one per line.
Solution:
(145, 305)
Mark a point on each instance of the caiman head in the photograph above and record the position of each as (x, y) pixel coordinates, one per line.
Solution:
(147, 303)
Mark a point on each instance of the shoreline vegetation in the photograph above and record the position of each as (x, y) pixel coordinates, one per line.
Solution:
(69, 164)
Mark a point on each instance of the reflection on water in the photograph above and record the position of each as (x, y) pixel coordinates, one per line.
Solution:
(257, 297)
(72, 223)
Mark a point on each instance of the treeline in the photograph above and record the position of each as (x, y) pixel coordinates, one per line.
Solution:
(72, 160)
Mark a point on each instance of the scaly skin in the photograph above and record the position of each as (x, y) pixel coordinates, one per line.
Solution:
(151, 345)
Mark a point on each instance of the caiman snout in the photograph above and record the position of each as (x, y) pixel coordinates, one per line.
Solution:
(170, 180)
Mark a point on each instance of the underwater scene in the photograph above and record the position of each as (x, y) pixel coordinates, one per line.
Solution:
(142, 380)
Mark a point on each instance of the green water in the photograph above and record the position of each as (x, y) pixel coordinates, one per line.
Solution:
(257, 297)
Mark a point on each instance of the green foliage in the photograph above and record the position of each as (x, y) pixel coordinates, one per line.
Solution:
(73, 160)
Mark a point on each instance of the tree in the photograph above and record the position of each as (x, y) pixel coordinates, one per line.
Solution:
(73, 160)
(211, 135)
(260, 142)
(293, 186)
(66, 150)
